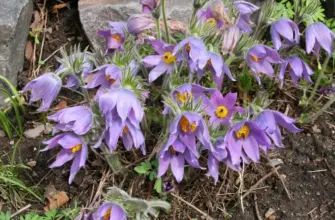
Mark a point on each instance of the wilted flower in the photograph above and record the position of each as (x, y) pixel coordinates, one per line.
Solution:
(175, 153)
(168, 186)
(268, 120)
(287, 30)
(244, 139)
(297, 69)
(214, 13)
(222, 108)
(115, 36)
(163, 62)
(45, 88)
(110, 211)
(260, 58)
(318, 35)
(214, 63)
(78, 119)
(149, 5)
(107, 77)
(136, 24)
(73, 147)
(231, 36)
(245, 9)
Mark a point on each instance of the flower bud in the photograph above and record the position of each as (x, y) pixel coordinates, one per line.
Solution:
(230, 38)
(136, 24)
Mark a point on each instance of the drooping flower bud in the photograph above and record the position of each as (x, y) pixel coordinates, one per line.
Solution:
(230, 38)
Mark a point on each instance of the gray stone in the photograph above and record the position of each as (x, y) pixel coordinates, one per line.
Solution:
(95, 14)
(15, 16)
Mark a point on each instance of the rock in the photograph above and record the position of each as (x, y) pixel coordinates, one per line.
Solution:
(35, 132)
(95, 14)
(15, 16)
(269, 213)
(2, 133)
(31, 163)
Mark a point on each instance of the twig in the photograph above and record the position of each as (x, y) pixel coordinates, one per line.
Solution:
(328, 166)
(192, 206)
(21, 210)
(284, 185)
(317, 171)
(256, 208)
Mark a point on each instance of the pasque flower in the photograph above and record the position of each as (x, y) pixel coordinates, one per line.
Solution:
(136, 24)
(245, 9)
(149, 5)
(163, 61)
(260, 58)
(287, 30)
(222, 108)
(214, 13)
(297, 69)
(73, 147)
(45, 88)
(78, 119)
(109, 211)
(244, 139)
(115, 36)
(175, 153)
(231, 36)
(319, 36)
(214, 63)
(269, 121)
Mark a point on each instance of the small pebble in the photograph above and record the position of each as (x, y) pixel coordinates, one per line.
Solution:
(269, 212)
(11, 142)
(2, 133)
(318, 193)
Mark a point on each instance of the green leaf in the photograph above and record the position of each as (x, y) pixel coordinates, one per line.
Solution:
(158, 185)
(152, 175)
(143, 168)
(155, 162)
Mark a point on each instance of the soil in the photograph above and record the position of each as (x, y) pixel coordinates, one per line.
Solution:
(308, 169)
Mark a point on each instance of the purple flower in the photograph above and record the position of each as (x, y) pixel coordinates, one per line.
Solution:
(115, 36)
(222, 108)
(297, 69)
(287, 30)
(268, 120)
(318, 35)
(245, 9)
(107, 77)
(45, 88)
(212, 14)
(148, 5)
(328, 90)
(231, 36)
(260, 58)
(136, 24)
(214, 63)
(73, 147)
(174, 153)
(110, 211)
(163, 62)
(244, 139)
(78, 119)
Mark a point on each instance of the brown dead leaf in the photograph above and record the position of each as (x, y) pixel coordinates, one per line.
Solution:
(37, 21)
(29, 52)
(61, 105)
(54, 198)
(55, 8)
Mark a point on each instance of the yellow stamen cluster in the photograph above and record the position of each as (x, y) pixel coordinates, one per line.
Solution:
(169, 58)
(243, 132)
(172, 150)
(254, 58)
(116, 37)
(183, 97)
(188, 47)
(125, 129)
(76, 148)
(221, 111)
(108, 214)
(110, 80)
(211, 21)
(186, 126)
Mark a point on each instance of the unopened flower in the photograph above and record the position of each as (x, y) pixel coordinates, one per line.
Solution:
(73, 147)
(222, 108)
(115, 36)
(78, 119)
(214, 14)
(284, 29)
(163, 62)
(245, 9)
(319, 36)
(297, 69)
(260, 58)
(45, 88)
(149, 5)
(136, 24)
(109, 211)
(214, 63)
(269, 121)
(175, 153)
(231, 36)
(246, 137)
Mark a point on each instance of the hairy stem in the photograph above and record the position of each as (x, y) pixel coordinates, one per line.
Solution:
(324, 108)
(167, 34)
(158, 29)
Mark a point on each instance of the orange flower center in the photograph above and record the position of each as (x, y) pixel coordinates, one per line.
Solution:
(169, 58)
(116, 37)
(108, 214)
(254, 58)
(125, 129)
(172, 150)
(76, 148)
(183, 97)
(221, 111)
(110, 80)
(188, 47)
(243, 132)
(209, 63)
(186, 126)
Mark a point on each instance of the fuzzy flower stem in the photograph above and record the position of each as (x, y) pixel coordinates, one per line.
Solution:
(318, 80)
(167, 34)
(85, 92)
(324, 108)
(158, 29)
